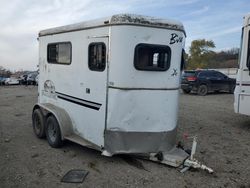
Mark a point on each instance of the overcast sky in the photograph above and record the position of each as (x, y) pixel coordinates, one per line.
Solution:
(21, 20)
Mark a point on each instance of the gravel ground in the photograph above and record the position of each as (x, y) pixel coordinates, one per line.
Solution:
(224, 145)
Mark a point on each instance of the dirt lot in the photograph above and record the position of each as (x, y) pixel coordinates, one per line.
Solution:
(224, 145)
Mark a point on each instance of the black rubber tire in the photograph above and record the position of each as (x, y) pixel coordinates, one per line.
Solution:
(186, 91)
(202, 90)
(53, 132)
(231, 90)
(38, 123)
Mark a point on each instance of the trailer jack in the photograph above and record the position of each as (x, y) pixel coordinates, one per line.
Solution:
(191, 162)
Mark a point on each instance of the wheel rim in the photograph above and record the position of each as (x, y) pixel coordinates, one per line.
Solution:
(203, 90)
(52, 132)
(37, 124)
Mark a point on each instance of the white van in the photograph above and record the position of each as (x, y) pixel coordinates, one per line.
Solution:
(242, 90)
(112, 84)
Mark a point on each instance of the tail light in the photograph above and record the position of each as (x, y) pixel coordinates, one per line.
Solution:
(191, 78)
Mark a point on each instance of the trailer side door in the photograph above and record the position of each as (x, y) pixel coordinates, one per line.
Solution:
(95, 89)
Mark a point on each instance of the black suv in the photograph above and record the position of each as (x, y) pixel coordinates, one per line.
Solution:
(204, 81)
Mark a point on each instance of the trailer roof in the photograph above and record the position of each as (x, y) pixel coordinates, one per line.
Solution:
(246, 19)
(119, 19)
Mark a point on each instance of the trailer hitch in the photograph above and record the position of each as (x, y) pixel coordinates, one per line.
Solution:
(191, 162)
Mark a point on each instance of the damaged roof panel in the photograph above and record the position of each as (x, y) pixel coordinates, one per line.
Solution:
(120, 19)
(146, 20)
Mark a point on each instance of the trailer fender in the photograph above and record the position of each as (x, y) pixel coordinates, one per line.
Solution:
(60, 114)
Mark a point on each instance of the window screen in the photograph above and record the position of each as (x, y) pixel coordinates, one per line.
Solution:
(151, 57)
(97, 56)
(59, 53)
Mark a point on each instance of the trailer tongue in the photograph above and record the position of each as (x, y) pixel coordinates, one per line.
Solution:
(179, 158)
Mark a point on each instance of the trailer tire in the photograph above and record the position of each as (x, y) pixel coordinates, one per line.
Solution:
(38, 123)
(202, 90)
(53, 132)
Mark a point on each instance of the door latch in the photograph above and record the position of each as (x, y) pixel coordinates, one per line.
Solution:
(88, 90)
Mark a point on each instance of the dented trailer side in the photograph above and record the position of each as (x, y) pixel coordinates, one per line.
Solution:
(142, 104)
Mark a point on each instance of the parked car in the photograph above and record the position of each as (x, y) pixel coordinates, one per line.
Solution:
(2, 80)
(11, 81)
(23, 79)
(31, 79)
(204, 81)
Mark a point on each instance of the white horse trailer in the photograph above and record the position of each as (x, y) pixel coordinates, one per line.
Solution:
(113, 85)
(242, 90)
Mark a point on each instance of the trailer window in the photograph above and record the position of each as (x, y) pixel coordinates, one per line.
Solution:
(97, 56)
(59, 53)
(248, 51)
(151, 57)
